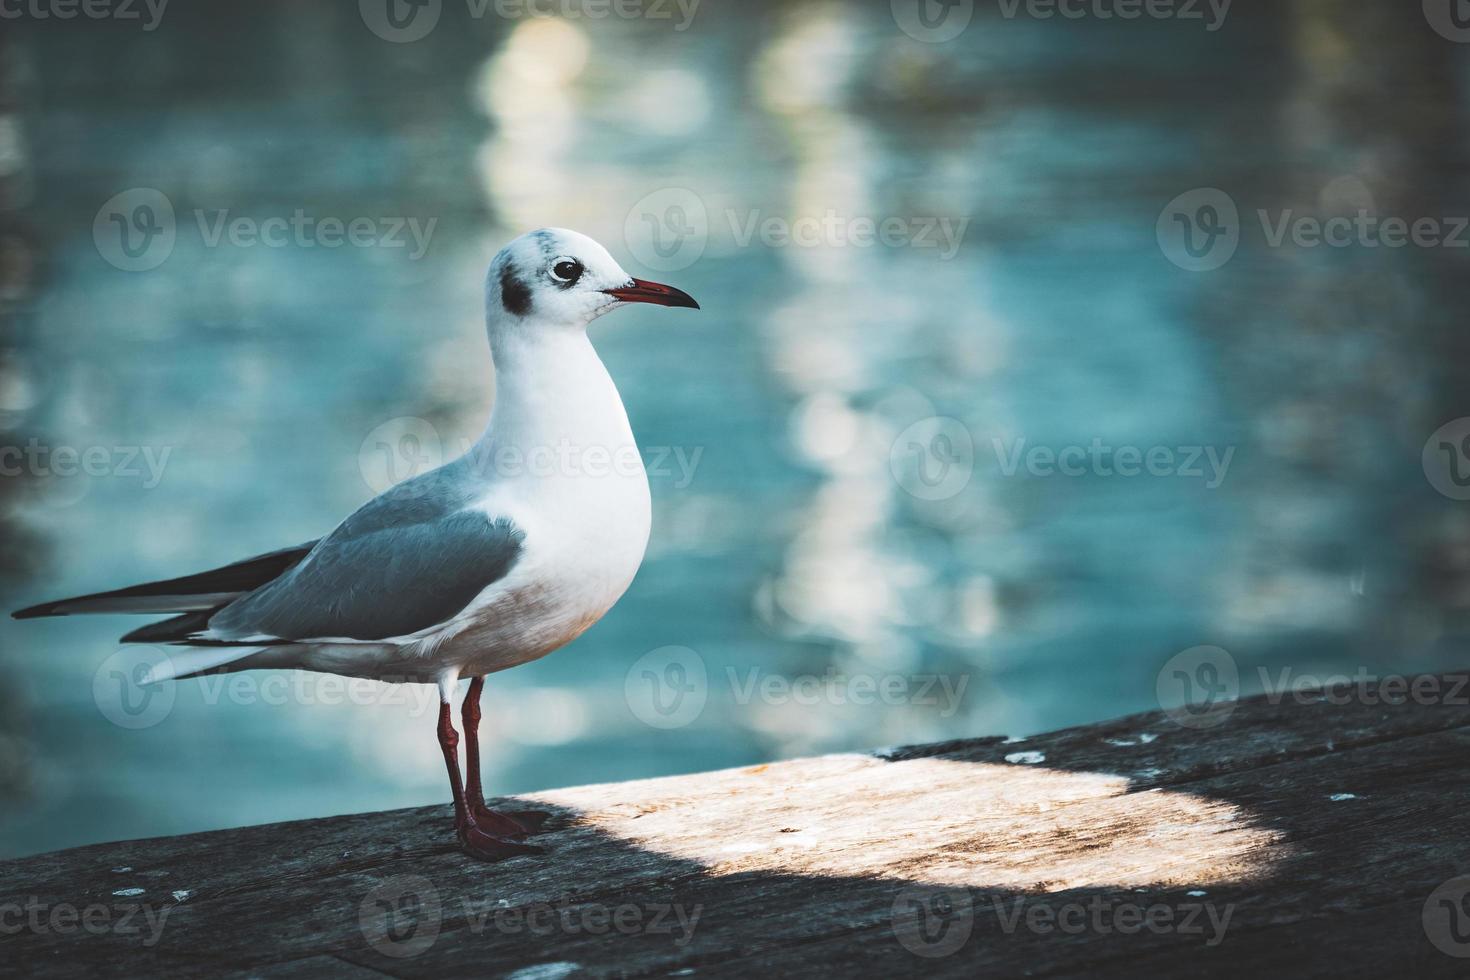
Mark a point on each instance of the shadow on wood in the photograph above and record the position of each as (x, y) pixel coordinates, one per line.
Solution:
(1318, 836)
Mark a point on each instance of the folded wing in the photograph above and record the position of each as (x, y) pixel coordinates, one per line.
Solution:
(366, 582)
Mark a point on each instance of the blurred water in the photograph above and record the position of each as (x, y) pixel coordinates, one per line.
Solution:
(271, 375)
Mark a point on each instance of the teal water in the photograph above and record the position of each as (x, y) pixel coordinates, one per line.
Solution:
(279, 387)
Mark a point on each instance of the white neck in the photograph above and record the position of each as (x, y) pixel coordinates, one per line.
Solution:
(551, 389)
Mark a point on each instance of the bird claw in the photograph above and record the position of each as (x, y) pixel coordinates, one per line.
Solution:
(514, 825)
(478, 843)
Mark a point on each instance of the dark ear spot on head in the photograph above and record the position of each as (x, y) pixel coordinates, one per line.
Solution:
(514, 295)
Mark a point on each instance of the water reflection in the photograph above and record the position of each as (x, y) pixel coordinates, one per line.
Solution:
(1043, 315)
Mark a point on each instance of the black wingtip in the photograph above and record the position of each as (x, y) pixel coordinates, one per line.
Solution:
(36, 612)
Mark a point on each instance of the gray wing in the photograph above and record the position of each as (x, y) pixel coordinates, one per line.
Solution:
(408, 560)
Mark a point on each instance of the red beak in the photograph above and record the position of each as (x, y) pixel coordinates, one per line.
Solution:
(643, 291)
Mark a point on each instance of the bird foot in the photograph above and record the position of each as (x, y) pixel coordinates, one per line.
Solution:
(479, 843)
(514, 825)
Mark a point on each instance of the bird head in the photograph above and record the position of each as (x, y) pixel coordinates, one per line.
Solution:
(555, 278)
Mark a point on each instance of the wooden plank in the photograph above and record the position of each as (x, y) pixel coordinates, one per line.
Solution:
(1305, 835)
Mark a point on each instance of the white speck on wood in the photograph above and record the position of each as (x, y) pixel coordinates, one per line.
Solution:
(182, 895)
(544, 971)
(1339, 797)
(123, 870)
(128, 892)
(1026, 758)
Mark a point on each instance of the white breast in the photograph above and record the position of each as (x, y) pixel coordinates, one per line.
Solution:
(570, 475)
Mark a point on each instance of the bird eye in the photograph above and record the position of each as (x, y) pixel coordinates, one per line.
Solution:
(566, 271)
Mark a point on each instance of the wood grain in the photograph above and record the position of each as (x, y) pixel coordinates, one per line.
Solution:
(1315, 835)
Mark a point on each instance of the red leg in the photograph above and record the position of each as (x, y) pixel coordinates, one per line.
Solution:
(517, 824)
(477, 841)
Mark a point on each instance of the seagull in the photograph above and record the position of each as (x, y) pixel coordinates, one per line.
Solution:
(493, 560)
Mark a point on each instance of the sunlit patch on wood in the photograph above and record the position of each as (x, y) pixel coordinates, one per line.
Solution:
(935, 821)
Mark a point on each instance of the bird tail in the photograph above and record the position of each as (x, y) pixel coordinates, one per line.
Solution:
(184, 664)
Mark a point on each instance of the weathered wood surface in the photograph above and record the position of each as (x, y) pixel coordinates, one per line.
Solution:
(1306, 839)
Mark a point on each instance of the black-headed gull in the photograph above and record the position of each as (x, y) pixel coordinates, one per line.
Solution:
(492, 560)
